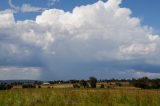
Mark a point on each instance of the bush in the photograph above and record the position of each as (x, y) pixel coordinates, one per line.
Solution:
(84, 84)
(39, 86)
(93, 81)
(118, 84)
(146, 83)
(102, 86)
(29, 86)
(5, 86)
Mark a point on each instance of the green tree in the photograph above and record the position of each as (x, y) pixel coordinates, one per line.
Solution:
(84, 83)
(93, 81)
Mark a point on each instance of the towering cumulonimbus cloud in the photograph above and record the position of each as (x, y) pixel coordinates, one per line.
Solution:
(100, 39)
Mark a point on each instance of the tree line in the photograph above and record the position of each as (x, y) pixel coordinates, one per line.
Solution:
(144, 83)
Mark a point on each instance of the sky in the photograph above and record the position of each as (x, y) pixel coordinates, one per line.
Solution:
(75, 39)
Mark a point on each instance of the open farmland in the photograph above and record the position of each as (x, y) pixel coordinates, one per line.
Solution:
(79, 97)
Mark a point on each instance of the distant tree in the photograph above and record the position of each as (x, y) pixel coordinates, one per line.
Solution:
(35, 82)
(73, 81)
(51, 82)
(29, 86)
(84, 83)
(93, 81)
(5, 86)
(146, 83)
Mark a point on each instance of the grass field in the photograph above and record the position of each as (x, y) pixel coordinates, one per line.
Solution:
(79, 97)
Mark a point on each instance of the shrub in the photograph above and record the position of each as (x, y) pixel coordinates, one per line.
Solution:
(93, 81)
(84, 84)
(102, 86)
(29, 86)
(39, 86)
(5, 86)
(146, 83)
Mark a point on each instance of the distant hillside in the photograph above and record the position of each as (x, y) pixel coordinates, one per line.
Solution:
(19, 81)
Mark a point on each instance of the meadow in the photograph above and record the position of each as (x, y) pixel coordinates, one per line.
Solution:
(79, 97)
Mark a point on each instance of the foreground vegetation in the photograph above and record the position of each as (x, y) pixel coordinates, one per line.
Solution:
(91, 92)
(79, 97)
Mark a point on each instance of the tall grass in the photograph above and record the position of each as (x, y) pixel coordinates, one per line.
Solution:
(79, 97)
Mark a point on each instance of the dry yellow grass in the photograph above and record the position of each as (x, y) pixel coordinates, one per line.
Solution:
(79, 97)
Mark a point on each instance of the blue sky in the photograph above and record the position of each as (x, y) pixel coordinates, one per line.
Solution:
(69, 39)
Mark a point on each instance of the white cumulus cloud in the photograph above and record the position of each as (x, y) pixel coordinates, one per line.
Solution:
(25, 8)
(52, 2)
(98, 34)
